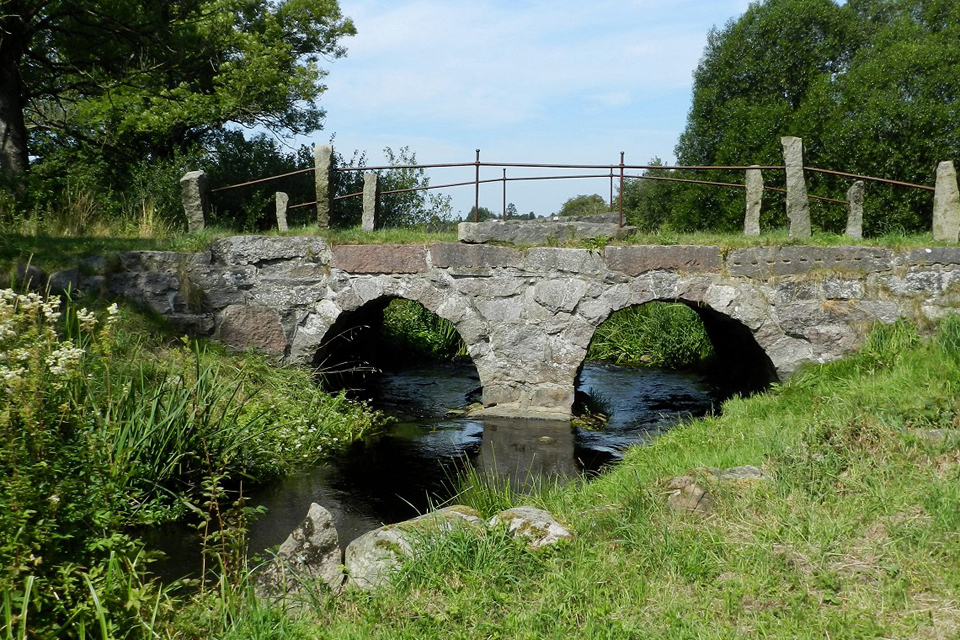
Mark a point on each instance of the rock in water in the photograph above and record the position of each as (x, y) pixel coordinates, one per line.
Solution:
(310, 552)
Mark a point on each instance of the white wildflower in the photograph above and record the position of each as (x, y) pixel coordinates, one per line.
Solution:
(87, 320)
(51, 309)
(63, 360)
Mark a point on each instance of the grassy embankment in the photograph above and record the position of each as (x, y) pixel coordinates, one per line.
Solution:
(855, 535)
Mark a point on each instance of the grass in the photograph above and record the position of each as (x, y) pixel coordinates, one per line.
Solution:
(856, 534)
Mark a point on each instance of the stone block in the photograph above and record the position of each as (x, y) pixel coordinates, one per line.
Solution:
(798, 207)
(311, 551)
(472, 257)
(767, 262)
(549, 259)
(371, 201)
(380, 258)
(323, 177)
(634, 260)
(193, 187)
(529, 232)
(560, 295)
(855, 210)
(243, 250)
(243, 327)
(946, 204)
(282, 201)
(932, 255)
(754, 188)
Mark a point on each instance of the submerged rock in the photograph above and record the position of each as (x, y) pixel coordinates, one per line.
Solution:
(311, 552)
(374, 556)
(539, 527)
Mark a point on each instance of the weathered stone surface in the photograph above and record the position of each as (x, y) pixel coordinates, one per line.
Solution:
(323, 177)
(539, 527)
(243, 250)
(282, 200)
(537, 232)
(754, 184)
(311, 552)
(29, 275)
(243, 327)
(747, 472)
(380, 258)
(635, 260)
(560, 294)
(374, 556)
(548, 260)
(766, 262)
(371, 201)
(798, 208)
(855, 210)
(472, 257)
(193, 187)
(684, 495)
(946, 204)
(64, 281)
(160, 260)
(932, 255)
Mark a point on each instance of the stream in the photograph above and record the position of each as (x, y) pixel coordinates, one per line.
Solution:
(414, 464)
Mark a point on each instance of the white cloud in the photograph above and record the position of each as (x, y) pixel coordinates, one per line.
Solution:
(527, 80)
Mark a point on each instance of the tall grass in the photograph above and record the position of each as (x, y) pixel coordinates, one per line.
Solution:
(668, 335)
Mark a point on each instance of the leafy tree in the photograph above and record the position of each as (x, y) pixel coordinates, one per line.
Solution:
(131, 79)
(647, 203)
(485, 214)
(408, 208)
(869, 85)
(512, 211)
(583, 205)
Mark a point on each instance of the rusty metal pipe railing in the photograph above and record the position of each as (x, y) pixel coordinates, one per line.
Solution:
(262, 180)
(855, 176)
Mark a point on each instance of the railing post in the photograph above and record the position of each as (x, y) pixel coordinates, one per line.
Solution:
(504, 215)
(620, 218)
(798, 208)
(476, 190)
(946, 204)
(323, 177)
(754, 185)
(371, 200)
(193, 187)
(611, 188)
(282, 200)
(855, 210)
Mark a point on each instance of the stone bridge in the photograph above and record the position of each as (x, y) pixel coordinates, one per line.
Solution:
(527, 316)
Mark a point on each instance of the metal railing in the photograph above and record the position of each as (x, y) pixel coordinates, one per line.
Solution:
(613, 172)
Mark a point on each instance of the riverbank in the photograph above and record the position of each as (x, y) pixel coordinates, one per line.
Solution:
(854, 533)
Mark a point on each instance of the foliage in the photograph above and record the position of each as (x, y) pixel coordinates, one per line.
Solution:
(584, 205)
(413, 206)
(99, 436)
(646, 203)
(655, 334)
(410, 329)
(485, 214)
(865, 84)
(139, 79)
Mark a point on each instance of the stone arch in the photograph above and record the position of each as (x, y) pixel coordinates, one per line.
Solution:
(747, 368)
(330, 330)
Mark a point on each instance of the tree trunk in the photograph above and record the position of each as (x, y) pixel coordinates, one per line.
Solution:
(13, 130)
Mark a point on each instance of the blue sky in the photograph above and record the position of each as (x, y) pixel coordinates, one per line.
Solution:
(525, 81)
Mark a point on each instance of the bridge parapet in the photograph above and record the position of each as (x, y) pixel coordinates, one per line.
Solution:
(527, 316)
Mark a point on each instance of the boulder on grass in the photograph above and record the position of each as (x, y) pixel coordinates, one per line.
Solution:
(539, 527)
(374, 556)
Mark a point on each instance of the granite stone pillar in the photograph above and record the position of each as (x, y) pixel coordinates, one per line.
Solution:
(946, 204)
(282, 200)
(754, 184)
(194, 196)
(855, 210)
(798, 209)
(323, 175)
(371, 201)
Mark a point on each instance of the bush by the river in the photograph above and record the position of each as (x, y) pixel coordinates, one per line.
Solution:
(410, 329)
(659, 334)
(100, 434)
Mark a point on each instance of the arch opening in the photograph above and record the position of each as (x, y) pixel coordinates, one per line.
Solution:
(388, 335)
(680, 336)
